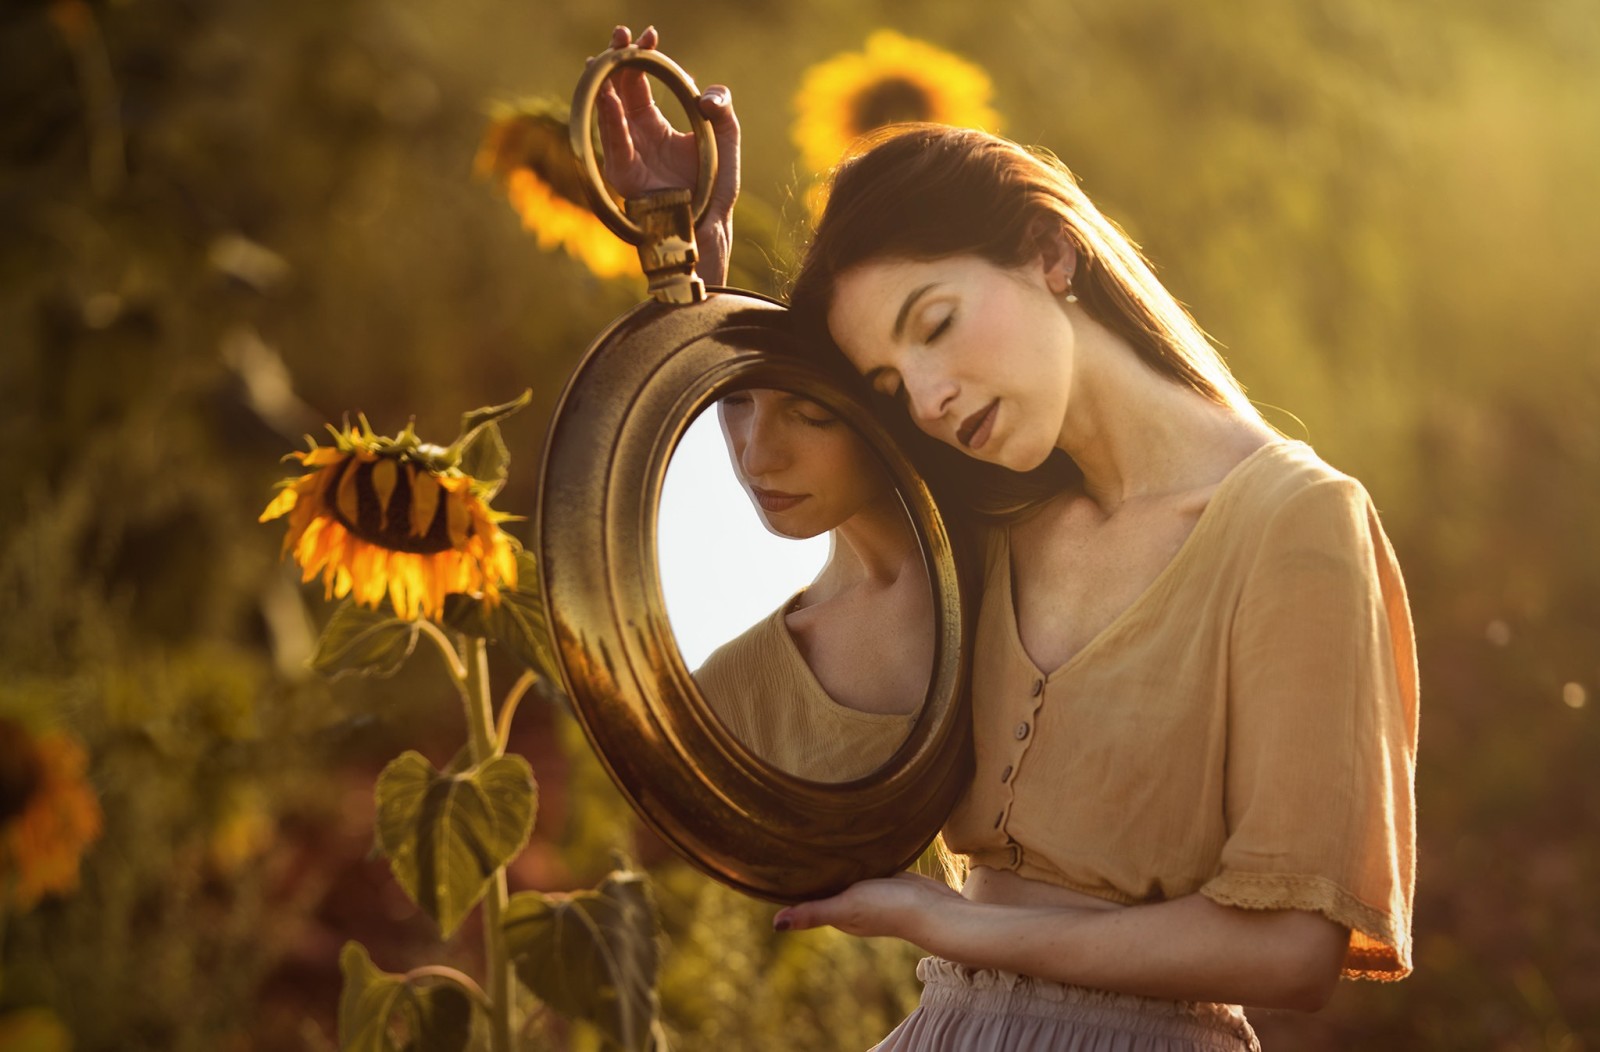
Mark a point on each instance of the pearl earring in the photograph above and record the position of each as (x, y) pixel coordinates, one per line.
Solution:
(1071, 296)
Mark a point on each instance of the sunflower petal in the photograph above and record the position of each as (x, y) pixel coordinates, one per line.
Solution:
(280, 505)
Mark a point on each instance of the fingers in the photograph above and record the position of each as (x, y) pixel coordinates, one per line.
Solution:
(615, 141)
(632, 85)
(717, 105)
(802, 917)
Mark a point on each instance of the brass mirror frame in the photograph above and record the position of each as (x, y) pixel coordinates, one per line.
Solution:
(740, 820)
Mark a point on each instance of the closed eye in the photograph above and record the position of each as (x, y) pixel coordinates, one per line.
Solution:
(818, 422)
(939, 329)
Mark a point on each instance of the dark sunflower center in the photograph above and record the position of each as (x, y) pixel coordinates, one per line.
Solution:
(20, 770)
(559, 171)
(539, 143)
(891, 100)
(391, 529)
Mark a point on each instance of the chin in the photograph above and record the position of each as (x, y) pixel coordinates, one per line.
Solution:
(1023, 465)
(789, 532)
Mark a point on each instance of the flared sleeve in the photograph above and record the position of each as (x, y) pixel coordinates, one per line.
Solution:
(1322, 728)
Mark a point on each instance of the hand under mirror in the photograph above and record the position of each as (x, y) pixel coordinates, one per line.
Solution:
(785, 546)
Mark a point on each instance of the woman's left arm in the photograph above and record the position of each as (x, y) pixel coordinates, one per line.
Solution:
(1187, 948)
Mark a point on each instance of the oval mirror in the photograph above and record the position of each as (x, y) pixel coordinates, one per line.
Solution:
(713, 499)
(795, 585)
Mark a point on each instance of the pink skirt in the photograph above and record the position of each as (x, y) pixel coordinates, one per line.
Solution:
(982, 1010)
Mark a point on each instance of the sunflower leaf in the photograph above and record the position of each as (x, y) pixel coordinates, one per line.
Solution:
(445, 835)
(440, 1018)
(466, 614)
(363, 642)
(478, 419)
(486, 458)
(591, 955)
(518, 622)
(368, 1000)
(437, 1018)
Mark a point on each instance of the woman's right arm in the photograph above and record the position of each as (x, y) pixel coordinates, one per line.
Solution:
(643, 152)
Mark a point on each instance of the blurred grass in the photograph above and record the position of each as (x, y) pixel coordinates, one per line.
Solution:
(1384, 212)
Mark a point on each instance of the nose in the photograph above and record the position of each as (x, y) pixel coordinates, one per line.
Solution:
(928, 393)
(765, 450)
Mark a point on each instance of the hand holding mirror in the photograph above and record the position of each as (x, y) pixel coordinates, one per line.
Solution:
(734, 805)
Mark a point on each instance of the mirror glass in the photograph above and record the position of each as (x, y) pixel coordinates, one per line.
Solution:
(794, 584)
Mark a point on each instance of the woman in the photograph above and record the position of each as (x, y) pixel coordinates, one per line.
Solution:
(811, 689)
(1194, 684)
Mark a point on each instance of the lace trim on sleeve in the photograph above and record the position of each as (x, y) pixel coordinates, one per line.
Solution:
(1379, 947)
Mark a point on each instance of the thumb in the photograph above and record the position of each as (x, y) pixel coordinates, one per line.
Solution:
(717, 105)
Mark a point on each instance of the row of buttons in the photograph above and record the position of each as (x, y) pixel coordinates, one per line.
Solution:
(1023, 729)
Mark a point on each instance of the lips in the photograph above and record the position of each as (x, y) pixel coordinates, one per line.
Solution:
(974, 430)
(772, 500)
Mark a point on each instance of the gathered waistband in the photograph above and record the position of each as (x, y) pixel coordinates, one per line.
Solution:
(987, 991)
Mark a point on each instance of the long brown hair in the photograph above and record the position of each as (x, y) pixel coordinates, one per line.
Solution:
(929, 191)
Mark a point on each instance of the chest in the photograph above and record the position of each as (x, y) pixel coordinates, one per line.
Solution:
(1076, 572)
(871, 651)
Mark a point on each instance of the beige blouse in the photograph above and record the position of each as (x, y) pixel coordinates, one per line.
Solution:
(760, 686)
(1246, 729)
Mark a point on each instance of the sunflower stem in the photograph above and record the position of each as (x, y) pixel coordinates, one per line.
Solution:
(508, 708)
(447, 649)
(482, 741)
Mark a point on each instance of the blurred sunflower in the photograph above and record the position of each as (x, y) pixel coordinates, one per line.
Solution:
(895, 79)
(526, 152)
(397, 517)
(34, 1030)
(48, 813)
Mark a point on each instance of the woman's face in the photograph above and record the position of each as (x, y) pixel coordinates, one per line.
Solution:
(980, 355)
(805, 470)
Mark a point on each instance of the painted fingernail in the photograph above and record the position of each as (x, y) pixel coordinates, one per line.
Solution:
(782, 924)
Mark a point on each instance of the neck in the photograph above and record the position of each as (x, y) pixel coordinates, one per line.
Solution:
(1136, 434)
(872, 548)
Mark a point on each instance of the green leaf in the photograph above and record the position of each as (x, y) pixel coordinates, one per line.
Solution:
(473, 423)
(440, 1019)
(591, 955)
(363, 642)
(446, 834)
(486, 458)
(436, 1018)
(517, 622)
(465, 614)
(368, 1000)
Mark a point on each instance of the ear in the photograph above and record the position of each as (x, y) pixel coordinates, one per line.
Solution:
(1058, 256)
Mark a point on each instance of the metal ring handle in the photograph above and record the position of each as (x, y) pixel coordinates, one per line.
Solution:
(583, 100)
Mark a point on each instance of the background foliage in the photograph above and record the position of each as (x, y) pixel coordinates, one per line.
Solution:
(1385, 212)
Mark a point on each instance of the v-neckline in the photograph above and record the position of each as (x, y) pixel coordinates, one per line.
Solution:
(1173, 564)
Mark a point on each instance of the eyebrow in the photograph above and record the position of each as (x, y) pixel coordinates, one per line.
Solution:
(905, 308)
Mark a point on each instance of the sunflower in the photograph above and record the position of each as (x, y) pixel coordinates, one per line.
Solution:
(398, 518)
(895, 79)
(48, 813)
(526, 151)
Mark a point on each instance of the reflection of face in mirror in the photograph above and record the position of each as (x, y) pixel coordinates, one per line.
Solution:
(826, 685)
